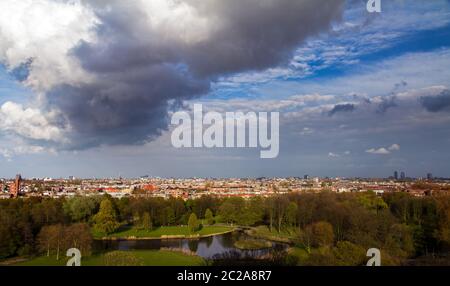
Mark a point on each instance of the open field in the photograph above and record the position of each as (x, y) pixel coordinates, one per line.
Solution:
(148, 258)
(249, 244)
(166, 231)
(263, 232)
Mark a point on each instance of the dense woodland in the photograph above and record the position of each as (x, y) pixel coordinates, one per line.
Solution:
(334, 229)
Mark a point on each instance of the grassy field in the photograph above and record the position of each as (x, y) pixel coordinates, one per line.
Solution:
(250, 244)
(300, 253)
(265, 233)
(166, 230)
(148, 258)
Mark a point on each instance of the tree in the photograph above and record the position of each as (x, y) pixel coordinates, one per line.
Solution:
(79, 236)
(105, 220)
(251, 212)
(270, 209)
(200, 205)
(231, 210)
(443, 233)
(146, 222)
(349, 254)
(323, 234)
(400, 241)
(291, 214)
(44, 240)
(124, 209)
(170, 215)
(209, 217)
(280, 205)
(51, 239)
(178, 207)
(9, 237)
(80, 208)
(372, 202)
(193, 223)
(306, 238)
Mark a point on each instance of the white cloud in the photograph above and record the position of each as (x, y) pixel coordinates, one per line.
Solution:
(22, 148)
(306, 131)
(292, 102)
(379, 151)
(29, 123)
(384, 150)
(45, 31)
(337, 155)
(333, 155)
(394, 147)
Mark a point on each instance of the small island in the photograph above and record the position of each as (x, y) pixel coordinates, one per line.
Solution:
(252, 244)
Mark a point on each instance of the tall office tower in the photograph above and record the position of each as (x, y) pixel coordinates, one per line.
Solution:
(402, 175)
(396, 175)
(430, 176)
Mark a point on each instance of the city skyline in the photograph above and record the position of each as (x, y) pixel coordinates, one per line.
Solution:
(89, 89)
(395, 176)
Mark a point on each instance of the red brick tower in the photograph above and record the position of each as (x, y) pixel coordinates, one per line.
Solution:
(14, 188)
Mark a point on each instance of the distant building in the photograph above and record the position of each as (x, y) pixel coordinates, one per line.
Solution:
(430, 176)
(396, 175)
(14, 188)
(306, 177)
(402, 175)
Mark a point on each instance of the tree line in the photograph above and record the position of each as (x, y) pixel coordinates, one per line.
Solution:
(403, 226)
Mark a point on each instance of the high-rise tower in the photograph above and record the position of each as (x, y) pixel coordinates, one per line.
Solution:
(14, 188)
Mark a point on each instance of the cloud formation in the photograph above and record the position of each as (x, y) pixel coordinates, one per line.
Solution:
(383, 150)
(437, 103)
(30, 123)
(348, 107)
(115, 69)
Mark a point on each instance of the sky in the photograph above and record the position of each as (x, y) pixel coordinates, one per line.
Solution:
(87, 88)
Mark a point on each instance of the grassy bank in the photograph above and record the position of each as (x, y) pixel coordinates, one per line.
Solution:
(252, 244)
(263, 232)
(147, 257)
(165, 232)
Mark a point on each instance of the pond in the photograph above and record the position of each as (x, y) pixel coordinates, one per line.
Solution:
(214, 247)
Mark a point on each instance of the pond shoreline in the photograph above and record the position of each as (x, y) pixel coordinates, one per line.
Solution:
(164, 237)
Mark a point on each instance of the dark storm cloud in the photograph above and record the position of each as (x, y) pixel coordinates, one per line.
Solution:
(139, 68)
(437, 103)
(386, 103)
(389, 101)
(124, 108)
(341, 108)
(258, 34)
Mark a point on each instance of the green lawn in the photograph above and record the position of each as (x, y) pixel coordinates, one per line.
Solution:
(148, 257)
(252, 244)
(300, 253)
(166, 230)
(265, 233)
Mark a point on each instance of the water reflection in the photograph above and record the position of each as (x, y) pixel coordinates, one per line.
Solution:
(215, 247)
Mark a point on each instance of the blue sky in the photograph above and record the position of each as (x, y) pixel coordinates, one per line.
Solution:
(385, 66)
